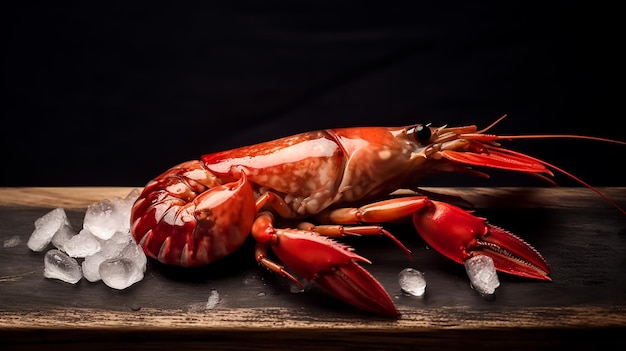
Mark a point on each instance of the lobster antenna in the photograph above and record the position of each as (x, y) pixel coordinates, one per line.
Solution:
(549, 165)
(563, 136)
(587, 185)
(544, 136)
(492, 124)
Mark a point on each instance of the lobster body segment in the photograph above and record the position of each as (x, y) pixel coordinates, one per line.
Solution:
(200, 211)
(315, 170)
(300, 168)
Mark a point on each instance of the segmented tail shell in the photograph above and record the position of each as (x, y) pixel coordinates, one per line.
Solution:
(186, 217)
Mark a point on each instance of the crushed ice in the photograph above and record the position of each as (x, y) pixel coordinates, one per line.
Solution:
(102, 250)
(296, 289)
(412, 282)
(213, 300)
(12, 241)
(482, 274)
(120, 272)
(58, 265)
(81, 245)
(104, 218)
(45, 228)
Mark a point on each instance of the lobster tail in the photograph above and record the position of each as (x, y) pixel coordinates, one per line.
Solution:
(185, 217)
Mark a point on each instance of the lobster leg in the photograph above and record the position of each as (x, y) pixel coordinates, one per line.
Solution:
(263, 260)
(331, 265)
(341, 230)
(452, 231)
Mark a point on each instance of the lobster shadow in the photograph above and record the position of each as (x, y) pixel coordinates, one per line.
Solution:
(230, 266)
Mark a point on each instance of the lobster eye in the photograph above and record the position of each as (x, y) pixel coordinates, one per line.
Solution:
(423, 133)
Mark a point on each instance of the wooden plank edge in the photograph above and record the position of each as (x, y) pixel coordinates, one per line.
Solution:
(456, 318)
(72, 198)
(78, 198)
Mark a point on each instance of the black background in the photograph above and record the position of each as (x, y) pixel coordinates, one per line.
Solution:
(114, 94)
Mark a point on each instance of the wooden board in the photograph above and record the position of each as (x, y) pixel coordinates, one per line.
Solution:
(581, 236)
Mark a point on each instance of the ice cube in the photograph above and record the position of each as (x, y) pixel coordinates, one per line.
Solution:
(91, 266)
(45, 228)
(82, 244)
(482, 274)
(12, 241)
(133, 195)
(62, 236)
(412, 281)
(123, 208)
(109, 251)
(120, 273)
(103, 219)
(58, 265)
(135, 253)
(213, 300)
(296, 289)
(114, 245)
(120, 245)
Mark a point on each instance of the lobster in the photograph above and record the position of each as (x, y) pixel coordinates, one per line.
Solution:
(202, 210)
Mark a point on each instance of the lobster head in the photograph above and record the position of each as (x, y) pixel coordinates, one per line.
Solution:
(382, 160)
(397, 158)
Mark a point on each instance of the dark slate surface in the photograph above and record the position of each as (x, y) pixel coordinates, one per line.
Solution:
(584, 248)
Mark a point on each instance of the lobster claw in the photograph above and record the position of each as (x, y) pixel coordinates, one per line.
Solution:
(459, 235)
(334, 267)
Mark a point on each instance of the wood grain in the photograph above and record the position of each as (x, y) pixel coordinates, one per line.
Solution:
(66, 197)
(254, 318)
(510, 197)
